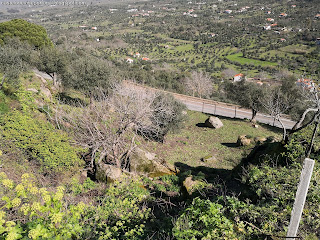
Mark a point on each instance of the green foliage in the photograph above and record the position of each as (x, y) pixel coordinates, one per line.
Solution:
(166, 183)
(34, 34)
(4, 108)
(120, 214)
(30, 212)
(49, 147)
(203, 220)
(88, 74)
(51, 61)
(275, 186)
(11, 65)
(167, 116)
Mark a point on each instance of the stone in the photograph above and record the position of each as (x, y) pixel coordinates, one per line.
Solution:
(32, 90)
(83, 176)
(45, 91)
(243, 140)
(260, 140)
(190, 184)
(184, 112)
(108, 173)
(208, 159)
(273, 139)
(213, 122)
(146, 163)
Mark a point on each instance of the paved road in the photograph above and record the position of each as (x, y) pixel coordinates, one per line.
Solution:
(234, 112)
(222, 109)
(211, 107)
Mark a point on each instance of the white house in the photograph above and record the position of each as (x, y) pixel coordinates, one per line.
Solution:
(129, 60)
(238, 77)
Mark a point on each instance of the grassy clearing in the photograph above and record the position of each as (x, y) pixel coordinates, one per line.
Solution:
(186, 47)
(296, 49)
(238, 58)
(193, 143)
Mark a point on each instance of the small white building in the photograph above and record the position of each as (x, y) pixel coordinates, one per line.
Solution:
(238, 77)
(129, 60)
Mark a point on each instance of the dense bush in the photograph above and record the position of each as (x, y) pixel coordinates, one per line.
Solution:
(29, 212)
(166, 116)
(203, 220)
(48, 147)
(34, 34)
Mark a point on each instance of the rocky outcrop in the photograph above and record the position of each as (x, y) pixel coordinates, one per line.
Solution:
(146, 163)
(243, 140)
(213, 122)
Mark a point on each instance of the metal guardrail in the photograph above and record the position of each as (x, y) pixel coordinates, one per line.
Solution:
(232, 110)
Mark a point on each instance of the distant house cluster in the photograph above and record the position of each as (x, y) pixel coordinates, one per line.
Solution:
(190, 13)
(84, 27)
(306, 84)
(136, 55)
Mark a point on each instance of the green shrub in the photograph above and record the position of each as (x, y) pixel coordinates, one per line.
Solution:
(29, 212)
(34, 34)
(203, 220)
(50, 148)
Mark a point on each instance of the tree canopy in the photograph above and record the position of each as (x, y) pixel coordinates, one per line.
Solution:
(25, 31)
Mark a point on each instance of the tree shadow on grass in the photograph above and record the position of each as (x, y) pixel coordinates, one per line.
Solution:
(230, 145)
(201, 125)
(66, 99)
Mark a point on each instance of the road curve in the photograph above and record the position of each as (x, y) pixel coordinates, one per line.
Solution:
(209, 106)
(220, 108)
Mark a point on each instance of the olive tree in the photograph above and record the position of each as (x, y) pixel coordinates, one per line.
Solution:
(11, 65)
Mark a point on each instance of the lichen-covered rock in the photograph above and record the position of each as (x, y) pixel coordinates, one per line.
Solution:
(146, 163)
(108, 173)
(243, 141)
(208, 159)
(260, 140)
(213, 122)
(190, 184)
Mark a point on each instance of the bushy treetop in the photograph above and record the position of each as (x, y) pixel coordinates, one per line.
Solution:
(34, 34)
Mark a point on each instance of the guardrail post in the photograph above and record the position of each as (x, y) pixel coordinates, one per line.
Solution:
(215, 108)
(202, 107)
(273, 121)
(235, 111)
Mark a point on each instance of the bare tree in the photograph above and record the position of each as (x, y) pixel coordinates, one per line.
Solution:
(276, 103)
(228, 73)
(312, 102)
(108, 127)
(199, 84)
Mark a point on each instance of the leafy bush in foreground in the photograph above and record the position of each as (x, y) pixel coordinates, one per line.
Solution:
(50, 148)
(27, 211)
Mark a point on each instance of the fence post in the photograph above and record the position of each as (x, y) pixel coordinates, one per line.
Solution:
(235, 111)
(273, 121)
(300, 199)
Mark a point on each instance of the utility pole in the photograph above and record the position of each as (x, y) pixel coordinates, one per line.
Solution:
(300, 199)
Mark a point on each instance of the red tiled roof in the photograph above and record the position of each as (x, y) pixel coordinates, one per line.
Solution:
(238, 75)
